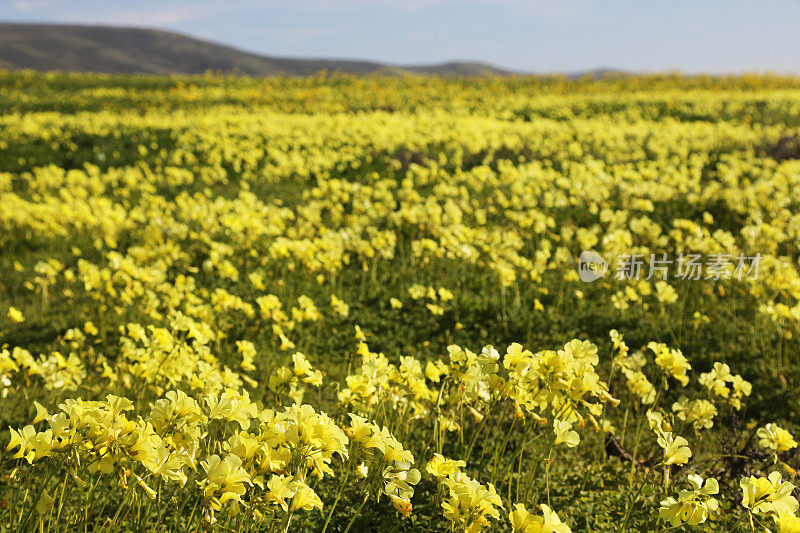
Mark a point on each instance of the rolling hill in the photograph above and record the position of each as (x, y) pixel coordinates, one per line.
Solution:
(107, 49)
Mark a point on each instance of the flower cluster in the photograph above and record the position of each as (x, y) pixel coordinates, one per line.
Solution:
(187, 258)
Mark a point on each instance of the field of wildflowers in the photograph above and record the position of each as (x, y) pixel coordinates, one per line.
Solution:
(359, 304)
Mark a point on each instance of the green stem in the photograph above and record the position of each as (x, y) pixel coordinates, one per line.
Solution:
(633, 501)
(287, 521)
(478, 432)
(547, 476)
(336, 501)
(358, 512)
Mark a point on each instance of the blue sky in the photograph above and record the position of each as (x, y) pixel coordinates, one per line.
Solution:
(528, 35)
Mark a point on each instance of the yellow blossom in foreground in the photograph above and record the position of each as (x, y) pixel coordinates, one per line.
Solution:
(225, 480)
(279, 488)
(524, 522)
(469, 505)
(676, 449)
(32, 445)
(691, 506)
(441, 468)
(565, 434)
(768, 494)
(305, 498)
(671, 361)
(788, 522)
(402, 505)
(15, 315)
(773, 437)
(248, 351)
(339, 306)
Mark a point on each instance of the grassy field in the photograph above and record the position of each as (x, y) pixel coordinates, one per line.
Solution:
(355, 304)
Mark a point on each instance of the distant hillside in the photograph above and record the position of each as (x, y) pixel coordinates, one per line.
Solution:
(134, 50)
(599, 73)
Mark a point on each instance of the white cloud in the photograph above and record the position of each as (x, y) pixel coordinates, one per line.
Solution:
(32, 5)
